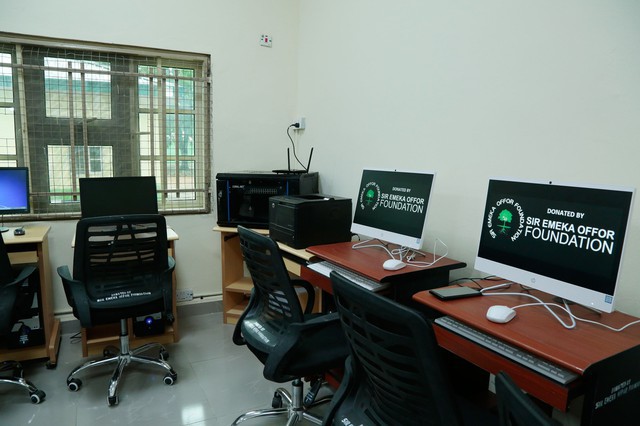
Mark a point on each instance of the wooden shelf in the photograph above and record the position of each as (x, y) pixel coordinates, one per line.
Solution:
(236, 286)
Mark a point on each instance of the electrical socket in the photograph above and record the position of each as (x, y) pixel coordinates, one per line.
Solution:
(184, 295)
(302, 123)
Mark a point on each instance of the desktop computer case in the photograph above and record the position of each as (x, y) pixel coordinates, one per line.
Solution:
(243, 197)
(301, 221)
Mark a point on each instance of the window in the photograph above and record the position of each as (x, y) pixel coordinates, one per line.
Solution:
(70, 110)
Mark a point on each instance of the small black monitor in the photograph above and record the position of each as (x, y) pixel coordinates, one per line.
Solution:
(14, 191)
(392, 206)
(107, 196)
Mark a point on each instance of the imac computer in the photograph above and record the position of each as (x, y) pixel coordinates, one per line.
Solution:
(564, 239)
(107, 196)
(14, 191)
(392, 206)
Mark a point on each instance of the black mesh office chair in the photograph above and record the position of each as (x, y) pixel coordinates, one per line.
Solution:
(394, 375)
(292, 343)
(121, 270)
(17, 290)
(515, 408)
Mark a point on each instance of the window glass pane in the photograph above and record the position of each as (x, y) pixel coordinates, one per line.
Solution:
(186, 178)
(59, 84)
(186, 124)
(7, 132)
(6, 79)
(60, 176)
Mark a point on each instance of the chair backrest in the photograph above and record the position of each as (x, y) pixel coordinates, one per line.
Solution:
(515, 408)
(396, 361)
(274, 302)
(120, 258)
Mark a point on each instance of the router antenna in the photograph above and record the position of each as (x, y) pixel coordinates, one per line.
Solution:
(309, 162)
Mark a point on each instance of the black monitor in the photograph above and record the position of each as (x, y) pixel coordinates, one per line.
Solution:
(107, 196)
(564, 239)
(392, 206)
(14, 191)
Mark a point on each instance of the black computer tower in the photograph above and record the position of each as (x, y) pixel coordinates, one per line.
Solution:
(243, 197)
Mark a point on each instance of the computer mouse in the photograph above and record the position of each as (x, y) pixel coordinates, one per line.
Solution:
(19, 231)
(393, 264)
(500, 314)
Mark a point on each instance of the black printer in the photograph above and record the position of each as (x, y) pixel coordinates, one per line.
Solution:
(301, 221)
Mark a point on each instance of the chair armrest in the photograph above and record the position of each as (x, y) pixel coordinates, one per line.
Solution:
(311, 294)
(23, 275)
(76, 296)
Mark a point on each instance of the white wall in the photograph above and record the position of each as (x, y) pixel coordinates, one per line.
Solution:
(254, 92)
(473, 89)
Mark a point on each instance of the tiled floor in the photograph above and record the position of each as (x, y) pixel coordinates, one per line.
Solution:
(217, 381)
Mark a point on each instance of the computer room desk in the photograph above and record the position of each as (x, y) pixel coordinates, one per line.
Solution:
(368, 262)
(606, 361)
(33, 248)
(237, 285)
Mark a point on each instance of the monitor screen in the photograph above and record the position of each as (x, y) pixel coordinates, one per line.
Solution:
(14, 190)
(564, 239)
(392, 206)
(107, 196)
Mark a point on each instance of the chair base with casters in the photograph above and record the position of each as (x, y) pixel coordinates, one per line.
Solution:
(295, 407)
(122, 359)
(16, 378)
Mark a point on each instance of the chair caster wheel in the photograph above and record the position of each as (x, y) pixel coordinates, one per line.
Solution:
(113, 400)
(164, 354)
(276, 402)
(37, 397)
(170, 378)
(74, 385)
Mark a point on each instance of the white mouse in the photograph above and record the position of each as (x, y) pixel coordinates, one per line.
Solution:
(500, 314)
(393, 264)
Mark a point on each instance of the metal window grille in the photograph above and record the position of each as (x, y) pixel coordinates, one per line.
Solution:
(70, 110)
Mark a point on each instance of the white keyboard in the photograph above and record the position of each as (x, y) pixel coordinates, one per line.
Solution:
(524, 358)
(324, 268)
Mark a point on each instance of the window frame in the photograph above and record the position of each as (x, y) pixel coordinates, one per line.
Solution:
(169, 166)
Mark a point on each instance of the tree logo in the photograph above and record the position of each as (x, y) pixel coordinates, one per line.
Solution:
(505, 219)
(370, 196)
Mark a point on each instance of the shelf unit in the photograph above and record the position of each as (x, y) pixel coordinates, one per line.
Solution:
(236, 283)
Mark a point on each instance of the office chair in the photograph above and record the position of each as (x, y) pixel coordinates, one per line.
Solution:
(292, 343)
(121, 270)
(515, 408)
(394, 374)
(17, 291)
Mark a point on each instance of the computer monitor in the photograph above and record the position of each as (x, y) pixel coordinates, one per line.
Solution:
(392, 206)
(107, 196)
(14, 191)
(564, 239)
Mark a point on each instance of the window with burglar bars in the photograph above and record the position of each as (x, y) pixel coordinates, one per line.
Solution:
(70, 110)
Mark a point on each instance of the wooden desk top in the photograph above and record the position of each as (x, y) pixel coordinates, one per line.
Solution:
(368, 261)
(33, 234)
(301, 254)
(537, 331)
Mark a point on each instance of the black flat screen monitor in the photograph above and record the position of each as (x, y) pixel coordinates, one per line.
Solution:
(564, 239)
(14, 191)
(392, 206)
(108, 196)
